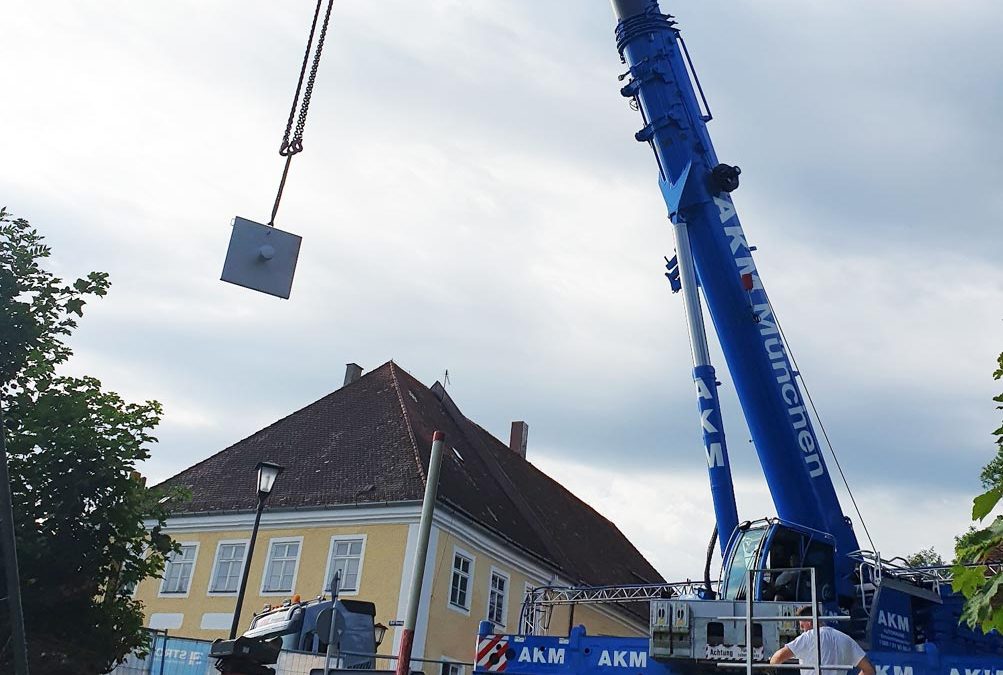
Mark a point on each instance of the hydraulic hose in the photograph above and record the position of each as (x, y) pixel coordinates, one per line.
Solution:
(710, 554)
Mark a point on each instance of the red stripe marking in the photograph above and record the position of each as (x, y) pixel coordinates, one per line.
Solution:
(499, 666)
(484, 651)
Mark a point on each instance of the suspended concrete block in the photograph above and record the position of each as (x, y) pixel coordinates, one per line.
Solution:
(261, 258)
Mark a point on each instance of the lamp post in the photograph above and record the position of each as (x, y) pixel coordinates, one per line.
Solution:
(267, 473)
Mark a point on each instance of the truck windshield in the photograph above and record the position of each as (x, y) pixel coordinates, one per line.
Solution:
(743, 558)
(285, 623)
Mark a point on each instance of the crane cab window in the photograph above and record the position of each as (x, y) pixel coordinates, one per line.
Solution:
(744, 556)
(788, 550)
(782, 582)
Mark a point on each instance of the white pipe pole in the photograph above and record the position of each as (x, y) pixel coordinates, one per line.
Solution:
(421, 553)
(748, 622)
(816, 625)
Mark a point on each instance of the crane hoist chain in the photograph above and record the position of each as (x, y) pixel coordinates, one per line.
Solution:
(294, 145)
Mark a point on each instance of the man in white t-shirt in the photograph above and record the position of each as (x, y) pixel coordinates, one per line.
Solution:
(838, 649)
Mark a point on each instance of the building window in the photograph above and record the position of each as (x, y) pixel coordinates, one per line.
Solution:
(127, 590)
(345, 557)
(178, 571)
(280, 572)
(459, 588)
(229, 564)
(498, 598)
(451, 669)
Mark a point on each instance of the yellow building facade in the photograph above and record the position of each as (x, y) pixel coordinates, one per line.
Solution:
(199, 607)
(349, 500)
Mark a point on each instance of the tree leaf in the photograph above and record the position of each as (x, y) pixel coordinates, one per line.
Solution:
(72, 448)
(967, 580)
(985, 503)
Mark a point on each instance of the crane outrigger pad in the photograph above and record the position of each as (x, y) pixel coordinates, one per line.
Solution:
(261, 258)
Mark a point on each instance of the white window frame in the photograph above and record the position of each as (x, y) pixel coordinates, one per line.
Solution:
(470, 582)
(495, 572)
(446, 661)
(135, 587)
(215, 561)
(191, 580)
(268, 564)
(330, 563)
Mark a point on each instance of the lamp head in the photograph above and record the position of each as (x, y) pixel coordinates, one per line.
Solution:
(267, 473)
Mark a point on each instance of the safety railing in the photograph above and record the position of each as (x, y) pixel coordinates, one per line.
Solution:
(873, 569)
(929, 575)
(540, 600)
(750, 665)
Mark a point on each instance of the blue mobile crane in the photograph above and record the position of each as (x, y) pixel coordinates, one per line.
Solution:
(906, 618)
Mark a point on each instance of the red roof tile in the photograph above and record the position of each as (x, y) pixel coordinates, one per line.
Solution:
(369, 442)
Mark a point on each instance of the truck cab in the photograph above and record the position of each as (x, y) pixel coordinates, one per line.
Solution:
(305, 627)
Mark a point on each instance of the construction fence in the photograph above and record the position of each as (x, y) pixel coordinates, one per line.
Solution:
(170, 655)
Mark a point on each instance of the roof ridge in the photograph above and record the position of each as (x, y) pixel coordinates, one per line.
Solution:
(280, 420)
(407, 421)
(259, 432)
(504, 481)
(545, 476)
(553, 483)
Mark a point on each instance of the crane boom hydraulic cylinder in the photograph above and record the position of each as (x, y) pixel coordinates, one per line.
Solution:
(722, 489)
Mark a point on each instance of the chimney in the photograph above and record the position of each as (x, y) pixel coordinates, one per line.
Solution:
(353, 371)
(518, 439)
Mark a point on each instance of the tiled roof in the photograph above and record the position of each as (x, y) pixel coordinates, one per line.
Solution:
(369, 442)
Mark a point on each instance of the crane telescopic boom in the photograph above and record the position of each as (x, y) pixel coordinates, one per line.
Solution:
(905, 617)
(696, 188)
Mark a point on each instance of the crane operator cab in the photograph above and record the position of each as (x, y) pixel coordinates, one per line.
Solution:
(782, 553)
(780, 557)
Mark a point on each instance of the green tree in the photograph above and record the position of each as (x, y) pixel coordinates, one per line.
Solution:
(984, 592)
(926, 557)
(79, 504)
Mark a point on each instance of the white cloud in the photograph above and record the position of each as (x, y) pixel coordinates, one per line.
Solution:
(669, 516)
(471, 198)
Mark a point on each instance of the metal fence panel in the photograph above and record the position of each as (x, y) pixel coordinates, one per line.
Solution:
(170, 656)
(133, 665)
(182, 656)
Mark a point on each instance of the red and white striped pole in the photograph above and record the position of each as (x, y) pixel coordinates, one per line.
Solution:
(418, 573)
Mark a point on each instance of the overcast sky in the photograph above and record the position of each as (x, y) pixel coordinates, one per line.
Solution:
(471, 198)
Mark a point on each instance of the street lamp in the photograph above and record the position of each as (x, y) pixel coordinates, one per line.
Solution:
(267, 473)
(379, 630)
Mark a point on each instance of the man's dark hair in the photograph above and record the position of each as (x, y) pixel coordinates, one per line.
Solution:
(806, 611)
